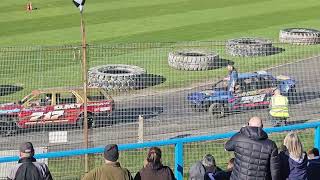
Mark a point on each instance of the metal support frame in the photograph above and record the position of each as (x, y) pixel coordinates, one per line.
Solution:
(178, 169)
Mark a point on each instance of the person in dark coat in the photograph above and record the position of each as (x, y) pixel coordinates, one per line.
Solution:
(313, 168)
(153, 169)
(28, 168)
(206, 169)
(256, 156)
(284, 162)
(297, 159)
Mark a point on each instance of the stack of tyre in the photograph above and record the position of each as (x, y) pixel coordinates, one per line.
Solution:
(299, 36)
(247, 47)
(116, 77)
(192, 60)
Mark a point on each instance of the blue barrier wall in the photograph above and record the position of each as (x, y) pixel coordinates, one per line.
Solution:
(178, 143)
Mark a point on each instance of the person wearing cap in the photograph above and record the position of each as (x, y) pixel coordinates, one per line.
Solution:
(28, 168)
(153, 168)
(111, 169)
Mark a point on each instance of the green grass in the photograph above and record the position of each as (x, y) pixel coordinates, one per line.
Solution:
(133, 159)
(57, 22)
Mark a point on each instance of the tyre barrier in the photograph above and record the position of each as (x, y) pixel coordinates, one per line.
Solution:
(249, 47)
(192, 60)
(116, 77)
(299, 36)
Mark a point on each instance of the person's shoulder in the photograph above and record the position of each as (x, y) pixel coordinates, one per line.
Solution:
(167, 168)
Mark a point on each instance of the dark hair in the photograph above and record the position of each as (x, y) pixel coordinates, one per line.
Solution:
(314, 151)
(154, 157)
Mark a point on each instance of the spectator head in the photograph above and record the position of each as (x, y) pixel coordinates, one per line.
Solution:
(255, 122)
(209, 163)
(294, 145)
(111, 152)
(154, 157)
(230, 67)
(312, 153)
(26, 150)
(277, 92)
(230, 164)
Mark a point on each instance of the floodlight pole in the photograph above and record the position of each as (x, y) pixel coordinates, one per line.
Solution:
(84, 79)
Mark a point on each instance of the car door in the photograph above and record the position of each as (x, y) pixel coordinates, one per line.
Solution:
(35, 110)
(67, 108)
(248, 95)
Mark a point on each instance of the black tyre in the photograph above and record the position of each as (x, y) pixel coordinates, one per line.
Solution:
(10, 128)
(299, 36)
(249, 47)
(217, 110)
(192, 60)
(116, 77)
(91, 122)
(292, 95)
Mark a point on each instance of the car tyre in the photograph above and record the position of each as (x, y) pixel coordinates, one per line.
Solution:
(10, 129)
(80, 121)
(217, 110)
(192, 60)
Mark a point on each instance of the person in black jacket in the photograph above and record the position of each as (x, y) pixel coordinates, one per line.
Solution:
(153, 168)
(28, 168)
(256, 156)
(313, 169)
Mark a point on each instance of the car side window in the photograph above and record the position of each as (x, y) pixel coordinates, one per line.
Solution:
(96, 95)
(66, 98)
(265, 82)
(41, 100)
(248, 84)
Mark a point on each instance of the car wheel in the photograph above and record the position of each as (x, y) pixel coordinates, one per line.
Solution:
(10, 129)
(81, 120)
(217, 110)
(292, 95)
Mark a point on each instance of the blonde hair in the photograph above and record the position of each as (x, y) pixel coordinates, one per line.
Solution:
(294, 145)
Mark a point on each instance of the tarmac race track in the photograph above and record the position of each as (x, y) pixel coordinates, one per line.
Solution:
(167, 115)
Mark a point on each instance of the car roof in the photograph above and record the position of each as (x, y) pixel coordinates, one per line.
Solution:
(62, 89)
(250, 75)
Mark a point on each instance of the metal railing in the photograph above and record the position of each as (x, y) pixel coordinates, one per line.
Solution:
(178, 143)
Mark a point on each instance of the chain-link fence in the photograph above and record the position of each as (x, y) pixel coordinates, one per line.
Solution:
(177, 88)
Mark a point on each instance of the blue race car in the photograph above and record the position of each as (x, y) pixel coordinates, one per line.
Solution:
(252, 90)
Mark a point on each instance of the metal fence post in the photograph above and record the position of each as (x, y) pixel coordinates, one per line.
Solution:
(317, 137)
(178, 167)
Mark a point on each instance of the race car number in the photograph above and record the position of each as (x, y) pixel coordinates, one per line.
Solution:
(46, 116)
(253, 99)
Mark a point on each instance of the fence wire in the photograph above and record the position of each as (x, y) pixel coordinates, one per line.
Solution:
(153, 81)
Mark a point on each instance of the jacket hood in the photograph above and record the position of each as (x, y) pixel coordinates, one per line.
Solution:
(254, 133)
(298, 162)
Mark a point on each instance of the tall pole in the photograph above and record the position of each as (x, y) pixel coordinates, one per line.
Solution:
(84, 79)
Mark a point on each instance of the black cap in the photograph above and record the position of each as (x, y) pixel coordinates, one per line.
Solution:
(111, 152)
(26, 147)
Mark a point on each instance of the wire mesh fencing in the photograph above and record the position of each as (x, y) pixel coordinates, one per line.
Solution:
(176, 89)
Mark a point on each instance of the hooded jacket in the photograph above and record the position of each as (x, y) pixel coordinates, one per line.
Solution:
(313, 169)
(29, 169)
(158, 172)
(256, 157)
(298, 168)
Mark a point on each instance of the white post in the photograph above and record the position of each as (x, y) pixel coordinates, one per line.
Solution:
(140, 129)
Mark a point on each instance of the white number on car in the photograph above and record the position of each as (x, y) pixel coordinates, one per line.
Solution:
(46, 116)
(253, 99)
